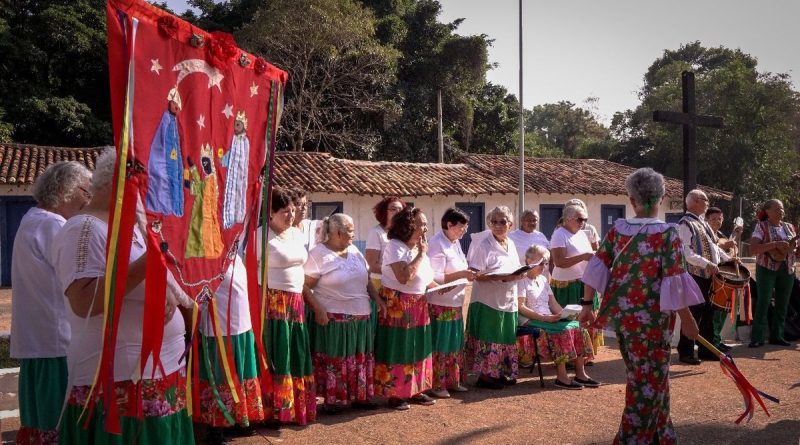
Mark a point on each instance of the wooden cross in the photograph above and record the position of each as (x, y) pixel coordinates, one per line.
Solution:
(690, 120)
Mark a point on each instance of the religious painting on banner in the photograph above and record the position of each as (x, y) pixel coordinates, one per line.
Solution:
(194, 121)
(202, 114)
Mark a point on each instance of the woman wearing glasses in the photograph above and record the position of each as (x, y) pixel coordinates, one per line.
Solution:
(571, 250)
(491, 348)
(445, 307)
(561, 341)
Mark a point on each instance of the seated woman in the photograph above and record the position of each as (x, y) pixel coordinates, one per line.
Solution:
(342, 337)
(561, 341)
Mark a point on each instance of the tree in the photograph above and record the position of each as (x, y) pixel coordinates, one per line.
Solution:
(757, 152)
(567, 128)
(337, 96)
(496, 121)
(54, 59)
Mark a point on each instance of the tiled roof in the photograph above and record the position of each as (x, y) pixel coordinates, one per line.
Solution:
(321, 172)
(477, 174)
(21, 164)
(573, 176)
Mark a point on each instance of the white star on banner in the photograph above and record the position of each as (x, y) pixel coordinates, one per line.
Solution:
(253, 90)
(228, 111)
(156, 66)
(201, 122)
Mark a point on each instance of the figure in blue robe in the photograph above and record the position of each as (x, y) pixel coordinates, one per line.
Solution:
(165, 166)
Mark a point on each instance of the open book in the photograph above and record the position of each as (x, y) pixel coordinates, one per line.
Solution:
(506, 272)
(452, 287)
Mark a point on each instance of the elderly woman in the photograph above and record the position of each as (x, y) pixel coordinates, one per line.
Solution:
(571, 250)
(309, 227)
(79, 251)
(591, 231)
(342, 341)
(39, 329)
(640, 271)
(774, 244)
(491, 347)
(233, 322)
(403, 366)
(292, 397)
(561, 341)
(445, 306)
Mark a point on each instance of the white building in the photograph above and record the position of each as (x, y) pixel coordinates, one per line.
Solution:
(476, 185)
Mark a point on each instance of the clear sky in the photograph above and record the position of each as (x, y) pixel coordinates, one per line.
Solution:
(574, 49)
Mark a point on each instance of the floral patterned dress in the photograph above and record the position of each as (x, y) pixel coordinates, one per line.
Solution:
(639, 270)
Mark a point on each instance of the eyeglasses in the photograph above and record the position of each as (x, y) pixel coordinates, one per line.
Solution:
(582, 220)
(87, 192)
(502, 222)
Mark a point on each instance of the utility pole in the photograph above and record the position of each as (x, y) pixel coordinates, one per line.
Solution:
(521, 125)
(441, 131)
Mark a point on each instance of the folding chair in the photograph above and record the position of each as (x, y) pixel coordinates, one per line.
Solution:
(523, 331)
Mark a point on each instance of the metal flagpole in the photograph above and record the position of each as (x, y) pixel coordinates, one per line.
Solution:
(521, 125)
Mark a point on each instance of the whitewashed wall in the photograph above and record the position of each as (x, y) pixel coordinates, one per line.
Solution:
(15, 190)
(360, 207)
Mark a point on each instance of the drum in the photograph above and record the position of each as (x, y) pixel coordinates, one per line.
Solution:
(731, 277)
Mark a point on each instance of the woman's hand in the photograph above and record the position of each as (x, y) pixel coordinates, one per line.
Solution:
(688, 324)
(587, 256)
(321, 317)
(381, 304)
(468, 274)
(551, 318)
(782, 247)
(422, 244)
(587, 316)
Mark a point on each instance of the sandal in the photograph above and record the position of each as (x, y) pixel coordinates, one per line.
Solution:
(422, 399)
(398, 404)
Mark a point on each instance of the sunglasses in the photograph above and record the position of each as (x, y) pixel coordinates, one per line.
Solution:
(582, 220)
(502, 222)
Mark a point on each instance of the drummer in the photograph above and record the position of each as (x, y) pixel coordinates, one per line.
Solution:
(715, 218)
(703, 256)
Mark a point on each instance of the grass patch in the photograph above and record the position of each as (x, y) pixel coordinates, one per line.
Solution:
(5, 352)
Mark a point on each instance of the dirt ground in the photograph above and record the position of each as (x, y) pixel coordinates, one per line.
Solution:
(704, 406)
(5, 310)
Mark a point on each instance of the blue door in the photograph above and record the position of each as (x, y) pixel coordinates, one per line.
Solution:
(12, 209)
(477, 221)
(609, 214)
(673, 218)
(549, 214)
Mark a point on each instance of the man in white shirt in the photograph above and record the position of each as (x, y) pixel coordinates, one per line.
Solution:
(702, 256)
(527, 235)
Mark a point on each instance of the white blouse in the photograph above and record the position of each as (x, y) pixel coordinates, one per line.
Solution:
(39, 327)
(79, 251)
(287, 254)
(397, 251)
(342, 285)
(537, 294)
(446, 257)
(486, 253)
(377, 239)
(575, 244)
(233, 291)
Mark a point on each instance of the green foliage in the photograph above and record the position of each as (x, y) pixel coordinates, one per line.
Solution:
(755, 155)
(54, 60)
(338, 96)
(566, 128)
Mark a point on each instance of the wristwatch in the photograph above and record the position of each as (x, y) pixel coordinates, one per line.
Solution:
(586, 303)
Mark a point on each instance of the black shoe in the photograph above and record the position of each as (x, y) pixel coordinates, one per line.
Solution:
(331, 410)
(755, 344)
(215, 436)
(505, 380)
(366, 405)
(589, 383)
(724, 348)
(571, 385)
(489, 384)
(422, 399)
(690, 361)
(273, 424)
(239, 431)
(780, 342)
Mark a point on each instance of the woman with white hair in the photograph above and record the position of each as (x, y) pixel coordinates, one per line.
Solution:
(40, 332)
(491, 347)
(591, 231)
(561, 341)
(571, 249)
(640, 271)
(337, 282)
(79, 251)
